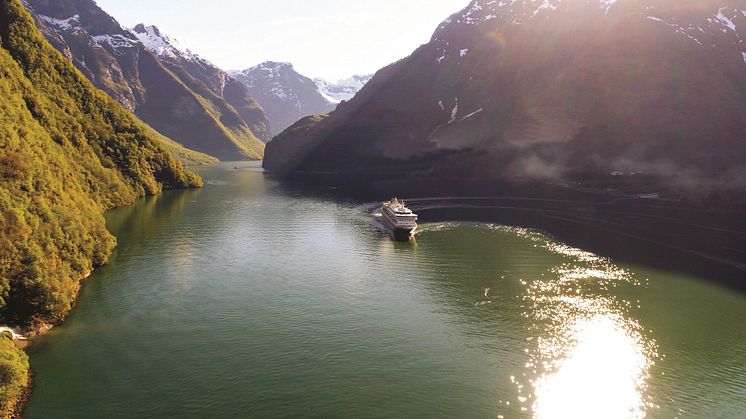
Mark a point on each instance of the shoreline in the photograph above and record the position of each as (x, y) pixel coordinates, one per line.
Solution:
(22, 341)
(22, 401)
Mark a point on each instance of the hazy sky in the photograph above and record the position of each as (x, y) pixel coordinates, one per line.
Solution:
(326, 38)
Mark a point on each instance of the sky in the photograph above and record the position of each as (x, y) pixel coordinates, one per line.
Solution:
(332, 39)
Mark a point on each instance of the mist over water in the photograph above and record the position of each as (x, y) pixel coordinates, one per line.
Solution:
(247, 298)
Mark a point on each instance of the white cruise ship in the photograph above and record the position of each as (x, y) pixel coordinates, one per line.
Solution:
(399, 219)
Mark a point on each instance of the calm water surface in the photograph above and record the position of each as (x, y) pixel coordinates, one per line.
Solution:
(246, 298)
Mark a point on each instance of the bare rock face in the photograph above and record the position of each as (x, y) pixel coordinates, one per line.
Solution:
(152, 76)
(597, 93)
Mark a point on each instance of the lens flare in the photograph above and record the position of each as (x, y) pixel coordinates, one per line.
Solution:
(497, 38)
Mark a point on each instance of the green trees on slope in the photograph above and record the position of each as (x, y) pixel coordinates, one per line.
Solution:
(68, 152)
(14, 374)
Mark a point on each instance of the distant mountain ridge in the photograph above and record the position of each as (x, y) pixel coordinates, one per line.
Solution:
(284, 94)
(178, 93)
(287, 96)
(342, 90)
(637, 95)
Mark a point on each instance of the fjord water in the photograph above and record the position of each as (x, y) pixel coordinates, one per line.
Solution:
(248, 298)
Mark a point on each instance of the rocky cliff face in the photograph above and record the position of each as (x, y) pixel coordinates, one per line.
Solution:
(176, 92)
(639, 95)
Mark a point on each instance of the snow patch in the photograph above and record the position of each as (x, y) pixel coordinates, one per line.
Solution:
(279, 92)
(116, 42)
(678, 28)
(463, 52)
(161, 44)
(454, 112)
(724, 19)
(472, 16)
(473, 113)
(606, 5)
(64, 24)
(469, 17)
(547, 4)
(326, 96)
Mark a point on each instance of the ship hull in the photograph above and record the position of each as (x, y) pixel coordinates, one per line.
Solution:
(400, 234)
(397, 233)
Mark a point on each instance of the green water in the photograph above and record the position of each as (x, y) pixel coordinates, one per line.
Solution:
(249, 299)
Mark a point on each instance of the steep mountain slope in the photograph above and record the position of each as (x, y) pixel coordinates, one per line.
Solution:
(284, 94)
(171, 95)
(206, 79)
(341, 90)
(68, 152)
(287, 95)
(641, 95)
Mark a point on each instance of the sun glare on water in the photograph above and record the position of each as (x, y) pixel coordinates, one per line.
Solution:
(602, 375)
(588, 357)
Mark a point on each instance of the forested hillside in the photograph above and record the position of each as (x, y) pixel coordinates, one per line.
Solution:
(68, 152)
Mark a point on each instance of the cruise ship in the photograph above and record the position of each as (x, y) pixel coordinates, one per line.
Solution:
(399, 219)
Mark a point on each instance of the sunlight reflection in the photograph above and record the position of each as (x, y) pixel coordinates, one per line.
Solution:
(601, 376)
(588, 357)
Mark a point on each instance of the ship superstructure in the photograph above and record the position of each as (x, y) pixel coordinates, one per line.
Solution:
(399, 219)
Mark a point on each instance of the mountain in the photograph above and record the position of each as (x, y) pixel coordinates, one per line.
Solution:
(176, 92)
(284, 94)
(198, 73)
(287, 96)
(639, 96)
(68, 153)
(344, 89)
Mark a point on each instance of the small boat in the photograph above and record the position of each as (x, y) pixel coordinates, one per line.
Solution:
(398, 219)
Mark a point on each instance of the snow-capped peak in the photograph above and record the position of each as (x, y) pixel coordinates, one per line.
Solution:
(271, 68)
(276, 78)
(282, 81)
(268, 70)
(512, 11)
(160, 43)
(345, 89)
(501, 15)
